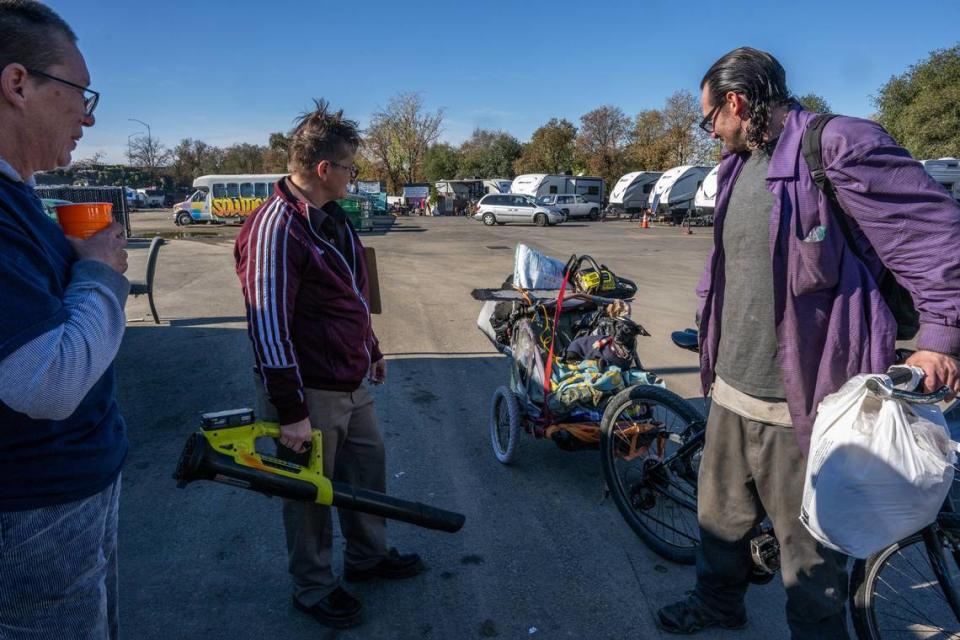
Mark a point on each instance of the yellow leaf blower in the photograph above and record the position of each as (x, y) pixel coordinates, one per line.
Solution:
(223, 451)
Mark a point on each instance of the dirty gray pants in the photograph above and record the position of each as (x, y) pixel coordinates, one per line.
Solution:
(749, 470)
(352, 453)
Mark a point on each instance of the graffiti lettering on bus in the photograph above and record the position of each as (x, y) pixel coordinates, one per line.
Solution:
(234, 207)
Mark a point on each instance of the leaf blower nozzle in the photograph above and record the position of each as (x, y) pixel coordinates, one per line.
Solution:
(223, 451)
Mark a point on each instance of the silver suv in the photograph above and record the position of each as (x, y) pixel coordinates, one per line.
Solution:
(501, 208)
(574, 205)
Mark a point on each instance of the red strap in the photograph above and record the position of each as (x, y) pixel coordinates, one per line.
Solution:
(548, 368)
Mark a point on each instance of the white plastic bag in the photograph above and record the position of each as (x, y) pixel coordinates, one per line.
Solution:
(534, 270)
(878, 470)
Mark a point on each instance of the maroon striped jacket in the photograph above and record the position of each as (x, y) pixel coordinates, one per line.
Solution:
(307, 310)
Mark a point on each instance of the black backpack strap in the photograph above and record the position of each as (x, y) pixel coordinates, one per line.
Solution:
(894, 294)
(811, 146)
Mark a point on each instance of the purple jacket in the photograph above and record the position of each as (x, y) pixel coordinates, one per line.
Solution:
(832, 322)
(307, 310)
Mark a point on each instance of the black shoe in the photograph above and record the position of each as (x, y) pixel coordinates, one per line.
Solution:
(339, 609)
(394, 566)
(687, 617)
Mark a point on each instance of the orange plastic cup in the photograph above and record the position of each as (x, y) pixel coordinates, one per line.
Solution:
(85, 219)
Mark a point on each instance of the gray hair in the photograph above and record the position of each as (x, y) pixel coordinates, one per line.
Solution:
(32, 34)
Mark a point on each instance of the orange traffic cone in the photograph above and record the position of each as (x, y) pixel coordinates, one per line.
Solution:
(646, 222)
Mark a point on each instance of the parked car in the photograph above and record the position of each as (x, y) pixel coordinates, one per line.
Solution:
(134, 200)
(50, 206)
(501, 208)
(154, 198)
(574, 205)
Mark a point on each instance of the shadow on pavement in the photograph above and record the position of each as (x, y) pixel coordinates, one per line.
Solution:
(209, 560)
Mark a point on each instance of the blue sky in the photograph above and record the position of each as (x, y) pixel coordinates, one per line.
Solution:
(234, 71)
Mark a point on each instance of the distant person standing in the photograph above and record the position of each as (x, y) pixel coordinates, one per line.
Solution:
(305, 281)
(62, 438)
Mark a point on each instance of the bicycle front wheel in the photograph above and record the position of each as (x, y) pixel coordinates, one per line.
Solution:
(897, 594)
(651, 444)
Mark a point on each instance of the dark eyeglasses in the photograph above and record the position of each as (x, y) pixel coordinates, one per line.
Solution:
(707, 123)
(354, 171)
(89, 101)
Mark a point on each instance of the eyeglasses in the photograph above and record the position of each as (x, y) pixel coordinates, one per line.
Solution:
(89, 101)
(707, 123)
(354, 170)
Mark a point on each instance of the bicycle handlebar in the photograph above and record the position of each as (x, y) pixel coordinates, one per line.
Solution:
(903, 374)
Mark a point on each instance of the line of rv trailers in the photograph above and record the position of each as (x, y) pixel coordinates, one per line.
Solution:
(675, 194)
(682, 193)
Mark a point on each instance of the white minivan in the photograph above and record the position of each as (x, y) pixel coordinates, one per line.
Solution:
(501, 208)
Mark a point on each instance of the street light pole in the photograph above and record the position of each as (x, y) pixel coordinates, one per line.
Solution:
(149, 146)
(149, 136)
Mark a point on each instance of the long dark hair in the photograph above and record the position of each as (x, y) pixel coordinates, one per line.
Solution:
(758, 77)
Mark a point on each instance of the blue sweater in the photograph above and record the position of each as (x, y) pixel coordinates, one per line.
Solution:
(46, 461)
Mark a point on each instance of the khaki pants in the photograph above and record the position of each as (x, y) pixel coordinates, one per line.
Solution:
(751, 470)
(353, 454)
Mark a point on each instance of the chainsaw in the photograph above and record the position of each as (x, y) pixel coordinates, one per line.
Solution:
(223, 451)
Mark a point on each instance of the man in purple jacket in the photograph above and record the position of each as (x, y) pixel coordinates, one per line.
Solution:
(304, 280)
(789, 313)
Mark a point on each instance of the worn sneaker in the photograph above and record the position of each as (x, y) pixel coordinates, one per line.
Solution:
(687, 617)
(338, 610)
(395, 566)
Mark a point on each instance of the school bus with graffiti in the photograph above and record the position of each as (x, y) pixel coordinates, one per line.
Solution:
(221, 199)
(225, 198)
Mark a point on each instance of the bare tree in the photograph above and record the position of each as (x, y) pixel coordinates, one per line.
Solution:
(399, 136)
(148, 153)
(688, 144)
(95, 160)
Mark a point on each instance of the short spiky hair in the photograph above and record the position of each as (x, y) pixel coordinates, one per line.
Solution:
(756, 75)
(321, 135)
(32, 34)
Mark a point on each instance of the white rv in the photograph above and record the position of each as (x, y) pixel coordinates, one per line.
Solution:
(631, 194)
(706, 197)
(675, 191)
(541, 184)
(946, 171)
(497, 185)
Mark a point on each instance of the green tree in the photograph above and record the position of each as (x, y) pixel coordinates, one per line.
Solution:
(488, 154)
(602, 141)
(276, 155)
(921, 107)
(192, 158)
(440, 163)
(550, 149)
(815, 103)
(243, 158)
(649, 149)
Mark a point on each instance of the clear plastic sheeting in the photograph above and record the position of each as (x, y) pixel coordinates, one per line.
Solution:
(528, 364)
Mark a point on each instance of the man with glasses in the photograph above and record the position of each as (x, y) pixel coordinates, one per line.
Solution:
(789, 312)
(62, 438)
(305, 281)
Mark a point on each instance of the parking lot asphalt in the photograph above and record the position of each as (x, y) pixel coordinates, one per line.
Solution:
(541, 554)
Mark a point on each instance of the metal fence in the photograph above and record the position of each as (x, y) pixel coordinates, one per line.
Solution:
(114, 195)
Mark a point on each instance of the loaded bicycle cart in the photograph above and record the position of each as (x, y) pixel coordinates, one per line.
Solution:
(577, 380)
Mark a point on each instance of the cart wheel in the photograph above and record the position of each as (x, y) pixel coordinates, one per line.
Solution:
(504, 424)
